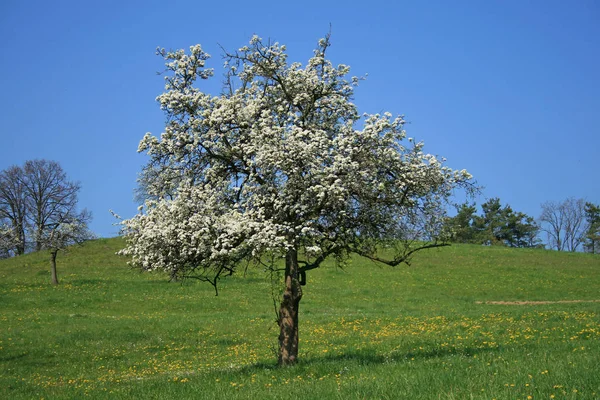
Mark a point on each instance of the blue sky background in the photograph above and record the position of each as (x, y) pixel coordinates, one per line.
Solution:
(509, 90)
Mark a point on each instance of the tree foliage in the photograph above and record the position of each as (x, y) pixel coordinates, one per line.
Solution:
(498, 225)
(461, 225)
(280, 166)
(521, 230)
(591, 240)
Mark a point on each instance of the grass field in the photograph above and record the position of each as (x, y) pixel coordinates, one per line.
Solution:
(366, 332)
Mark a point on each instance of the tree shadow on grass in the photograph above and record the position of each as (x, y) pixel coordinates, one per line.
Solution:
(367, 357)
(13, 358)
(89, 282)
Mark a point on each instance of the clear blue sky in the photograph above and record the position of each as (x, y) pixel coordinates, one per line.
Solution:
(509, 90)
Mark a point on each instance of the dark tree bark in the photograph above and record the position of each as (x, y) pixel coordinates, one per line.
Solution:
(53, 266)
(288, 311)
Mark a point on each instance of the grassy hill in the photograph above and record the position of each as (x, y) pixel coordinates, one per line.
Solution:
(425, 331)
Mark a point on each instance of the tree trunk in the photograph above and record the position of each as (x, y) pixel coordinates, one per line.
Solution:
(288, 312)
(53, 267)
(38, 240)
(21, 240)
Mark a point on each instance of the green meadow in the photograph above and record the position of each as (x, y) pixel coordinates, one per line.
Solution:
(425, 331)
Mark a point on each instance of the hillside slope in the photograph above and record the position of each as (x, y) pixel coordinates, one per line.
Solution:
(416, 332)
(477, 272)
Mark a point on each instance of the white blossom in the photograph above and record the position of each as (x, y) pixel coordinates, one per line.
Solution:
(281, 160)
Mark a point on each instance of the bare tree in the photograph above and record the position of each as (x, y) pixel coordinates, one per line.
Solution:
(564, 223)
(67, 229)
(34, 200)
(50, 196)
(13, 209)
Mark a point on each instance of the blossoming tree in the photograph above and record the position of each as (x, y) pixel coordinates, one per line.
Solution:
(280, 165)
(65, 230)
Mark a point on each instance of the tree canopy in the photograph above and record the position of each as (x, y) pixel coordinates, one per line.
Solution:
(34, 198)
(280, 166)
(498, 225)
(591, 239)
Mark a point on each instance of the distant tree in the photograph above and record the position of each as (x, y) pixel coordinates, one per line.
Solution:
(7, 241)
(564, 223)
(461, 225)
(13, 210)
(281, 164)
(521, 230)
(591, 241)
(497, 226)
(34, 200)
(490, 227)
(49, 197)
(67, 229)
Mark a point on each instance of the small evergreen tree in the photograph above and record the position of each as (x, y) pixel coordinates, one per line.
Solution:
(461, 225)
(489, 226)
(591, 241)
(521, 230)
